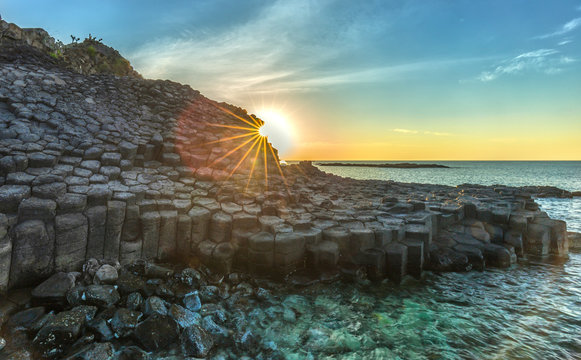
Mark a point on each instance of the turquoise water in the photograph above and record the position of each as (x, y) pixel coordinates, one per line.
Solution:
(529, 311)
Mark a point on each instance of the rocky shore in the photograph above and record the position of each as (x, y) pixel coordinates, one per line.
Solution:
(394, 166)
(131, 223)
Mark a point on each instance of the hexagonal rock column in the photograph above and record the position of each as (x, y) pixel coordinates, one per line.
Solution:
(312, 235)
(341, 237)
(5, 253)
(515, 239)
(220, 227)
(422, 233)
(115, 218)
(396, 261)
(200, 222)
(361, 240)
(415, 259)
(32, 253)
(150, 224)
(97, 219)
(289, 251)
(167, 234)
(131, 244)
(538, 239)
(559, 243)
(374, 261)
(261, 253)
(268, 222)
(71, 241)
(183, 236)
(222, 258)
(497, 255)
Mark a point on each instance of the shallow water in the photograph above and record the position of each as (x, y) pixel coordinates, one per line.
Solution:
(531, 311)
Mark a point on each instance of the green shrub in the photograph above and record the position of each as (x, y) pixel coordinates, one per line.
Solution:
(91, 51)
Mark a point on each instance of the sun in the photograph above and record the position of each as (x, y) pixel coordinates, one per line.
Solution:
(277, 129)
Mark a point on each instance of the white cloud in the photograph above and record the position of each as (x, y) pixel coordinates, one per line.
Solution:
(566, 28)
(436, 133)
(565, 42)
(543, 60)
(405, 131)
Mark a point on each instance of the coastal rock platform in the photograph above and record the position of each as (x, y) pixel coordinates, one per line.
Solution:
(135, 217)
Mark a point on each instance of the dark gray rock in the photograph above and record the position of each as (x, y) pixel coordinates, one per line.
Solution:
(32, 253)
(11, 196)
(184, 317)
(71, 241)
(157, 332)
(155, 305)
(192, 301)
(124, 321)
(196, 341)
(62, 330)
(53, 291)
(100, 329)
(37, 209)
(102, 296)
(96, 351)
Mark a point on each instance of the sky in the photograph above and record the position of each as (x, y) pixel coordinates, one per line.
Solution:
(360, 80)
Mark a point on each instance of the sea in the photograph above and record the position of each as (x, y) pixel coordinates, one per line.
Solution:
(529, 311)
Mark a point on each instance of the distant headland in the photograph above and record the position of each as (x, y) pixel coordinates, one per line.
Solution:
(387, 165)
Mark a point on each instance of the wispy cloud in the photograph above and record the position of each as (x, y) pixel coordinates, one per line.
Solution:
(565, 42)
(287, 47)
(548, 61)
(566, 28)
(433, 133)
(406, 131)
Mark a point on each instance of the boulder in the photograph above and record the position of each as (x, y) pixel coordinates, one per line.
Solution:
(157, 332)
(106, 274)
(62, 330)
(53, 291)
(184, 317)
(124, 321)
(196, 342)
(497, 255)
(102, 296)
(95, 351)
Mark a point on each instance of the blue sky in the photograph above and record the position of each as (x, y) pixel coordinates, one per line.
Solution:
(466, 79)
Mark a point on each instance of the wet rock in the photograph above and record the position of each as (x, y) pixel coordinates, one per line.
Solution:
(191, 277)
(183, 316)
(53, 291)
(96, 351)
(100, 329)
(154, 305)
(132, 353)
(26, 319)
(2, 343)
(134, 301)
(157, 332)
(192, 301)
(128, 283)
(102, 296)
(196, 341)
(497, 255)
(446, 259)
(396, 261)
(62, 330)
(124, 321)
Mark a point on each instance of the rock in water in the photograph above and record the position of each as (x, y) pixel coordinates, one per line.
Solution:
(196, 341)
